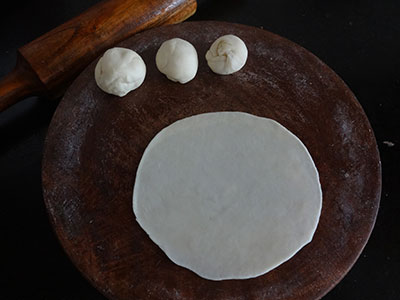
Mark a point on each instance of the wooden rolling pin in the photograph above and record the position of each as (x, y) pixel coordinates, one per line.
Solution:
(47, 65)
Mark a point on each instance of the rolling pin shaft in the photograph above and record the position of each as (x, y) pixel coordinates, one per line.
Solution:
(47, 65)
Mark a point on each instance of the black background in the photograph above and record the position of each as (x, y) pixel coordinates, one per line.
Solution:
(360, 40)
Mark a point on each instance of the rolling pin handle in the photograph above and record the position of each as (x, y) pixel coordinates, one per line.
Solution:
(18, 84)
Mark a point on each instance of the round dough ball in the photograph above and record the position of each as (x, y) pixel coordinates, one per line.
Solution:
(120, 71)
(177, 59)
(227, 55)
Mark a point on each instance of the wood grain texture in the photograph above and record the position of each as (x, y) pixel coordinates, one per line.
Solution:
(18, 84)
(53, 60)
(96, 140)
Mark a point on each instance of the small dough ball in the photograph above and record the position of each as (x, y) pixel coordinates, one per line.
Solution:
(177, 59)
(227, 55)
(120, 71)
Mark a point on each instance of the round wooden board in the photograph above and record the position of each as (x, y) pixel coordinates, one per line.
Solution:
(96, 140)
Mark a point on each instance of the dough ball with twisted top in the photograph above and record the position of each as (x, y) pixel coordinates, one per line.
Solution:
(120, 71)
(227, 55)
(177, 59)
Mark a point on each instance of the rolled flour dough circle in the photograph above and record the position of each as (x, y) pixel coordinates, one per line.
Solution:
(227, 195)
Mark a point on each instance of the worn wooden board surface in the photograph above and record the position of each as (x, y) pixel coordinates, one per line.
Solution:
(95, 143)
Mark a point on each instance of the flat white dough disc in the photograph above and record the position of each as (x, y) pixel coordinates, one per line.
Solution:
(227, 195)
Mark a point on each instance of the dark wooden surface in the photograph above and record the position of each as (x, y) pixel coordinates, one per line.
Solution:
(95, 142)
(47, 65)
